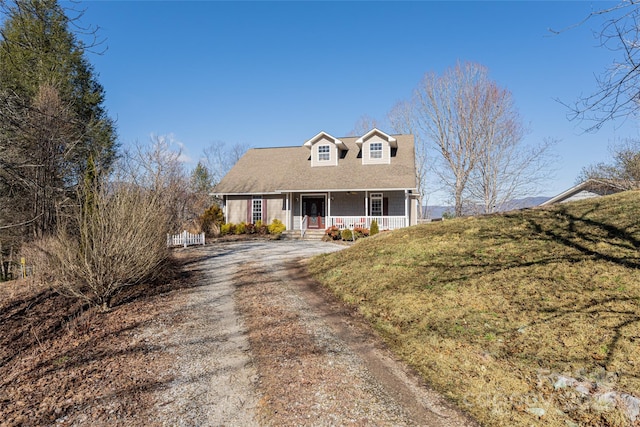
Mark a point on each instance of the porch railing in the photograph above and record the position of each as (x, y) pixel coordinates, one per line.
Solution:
(304, 225)
(384, 222)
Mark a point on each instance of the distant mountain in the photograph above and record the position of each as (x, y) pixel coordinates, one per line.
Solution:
(527, 202)
(436, 212)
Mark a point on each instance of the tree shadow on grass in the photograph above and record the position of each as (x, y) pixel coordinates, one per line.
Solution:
(591, 239)
(586, 236)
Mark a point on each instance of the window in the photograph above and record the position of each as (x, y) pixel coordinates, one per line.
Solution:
(375, 150)
(256, 211)
(323, 153)
(376, 204)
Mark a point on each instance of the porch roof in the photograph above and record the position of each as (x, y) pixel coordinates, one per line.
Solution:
(284, 169)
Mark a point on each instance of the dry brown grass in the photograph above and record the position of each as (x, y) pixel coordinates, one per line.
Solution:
(64, 363)
(492, 310)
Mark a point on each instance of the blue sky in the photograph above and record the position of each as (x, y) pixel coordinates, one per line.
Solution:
(276, 73)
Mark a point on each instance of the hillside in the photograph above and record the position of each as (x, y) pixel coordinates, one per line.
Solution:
(521, 318)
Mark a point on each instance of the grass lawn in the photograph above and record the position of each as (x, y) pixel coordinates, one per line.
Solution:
(528, 317)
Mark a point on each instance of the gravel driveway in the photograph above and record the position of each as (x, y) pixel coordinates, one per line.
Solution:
(220, 376)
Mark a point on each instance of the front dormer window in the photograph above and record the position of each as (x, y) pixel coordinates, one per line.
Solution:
(324, 153)
(325, 150)
(375, 150)
(376, 147)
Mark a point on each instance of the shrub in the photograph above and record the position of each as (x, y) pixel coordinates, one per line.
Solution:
(448, 215)
(250, 228)
(211, 220)
(347, 235)
(262, 228)
(241, 228)
(333, 232)
(117, 238)
(227, 228)
(374, 228)
(276, 227)
(360, 232)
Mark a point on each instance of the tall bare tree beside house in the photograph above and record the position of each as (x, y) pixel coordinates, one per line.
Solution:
(449, 114)
(402, 119)
(506, 167)
(468, 131)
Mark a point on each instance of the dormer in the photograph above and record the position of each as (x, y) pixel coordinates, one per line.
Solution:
(376, 147)
(325, 149)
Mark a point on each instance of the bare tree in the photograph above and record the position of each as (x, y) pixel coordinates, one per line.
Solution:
(157, 167)
(469, 133)
(363, 125)
(52, 117)
(617, 95)
(402, 119)
(450, 113)
(219, 158)
(36, 154)
(509, 170)
(506, 168)
(625, 168)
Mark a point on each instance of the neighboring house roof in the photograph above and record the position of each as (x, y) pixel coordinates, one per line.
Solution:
(288, 169)
(593, 188)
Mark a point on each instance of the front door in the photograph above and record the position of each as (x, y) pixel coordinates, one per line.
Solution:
(313, 209)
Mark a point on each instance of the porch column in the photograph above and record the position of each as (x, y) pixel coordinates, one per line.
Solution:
(288, 209)
(406, 208)
(226, 210)
(366, 203)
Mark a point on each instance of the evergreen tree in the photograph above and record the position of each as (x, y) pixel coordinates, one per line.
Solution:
(52, 118)
(201, 179)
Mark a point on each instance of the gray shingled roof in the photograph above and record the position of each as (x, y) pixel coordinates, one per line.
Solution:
(274, 170)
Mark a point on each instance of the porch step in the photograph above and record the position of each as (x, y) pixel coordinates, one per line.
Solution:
(308, 235)
(314, 234)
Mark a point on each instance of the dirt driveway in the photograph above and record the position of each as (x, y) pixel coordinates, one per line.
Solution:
(258, 344)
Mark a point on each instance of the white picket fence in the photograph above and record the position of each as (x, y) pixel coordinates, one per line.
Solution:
(185, 239)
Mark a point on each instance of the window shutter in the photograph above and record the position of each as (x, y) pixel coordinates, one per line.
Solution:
(385, 206)
(249, 210)
(264, 211)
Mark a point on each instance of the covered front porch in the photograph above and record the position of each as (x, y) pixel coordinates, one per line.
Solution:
(350, 209)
